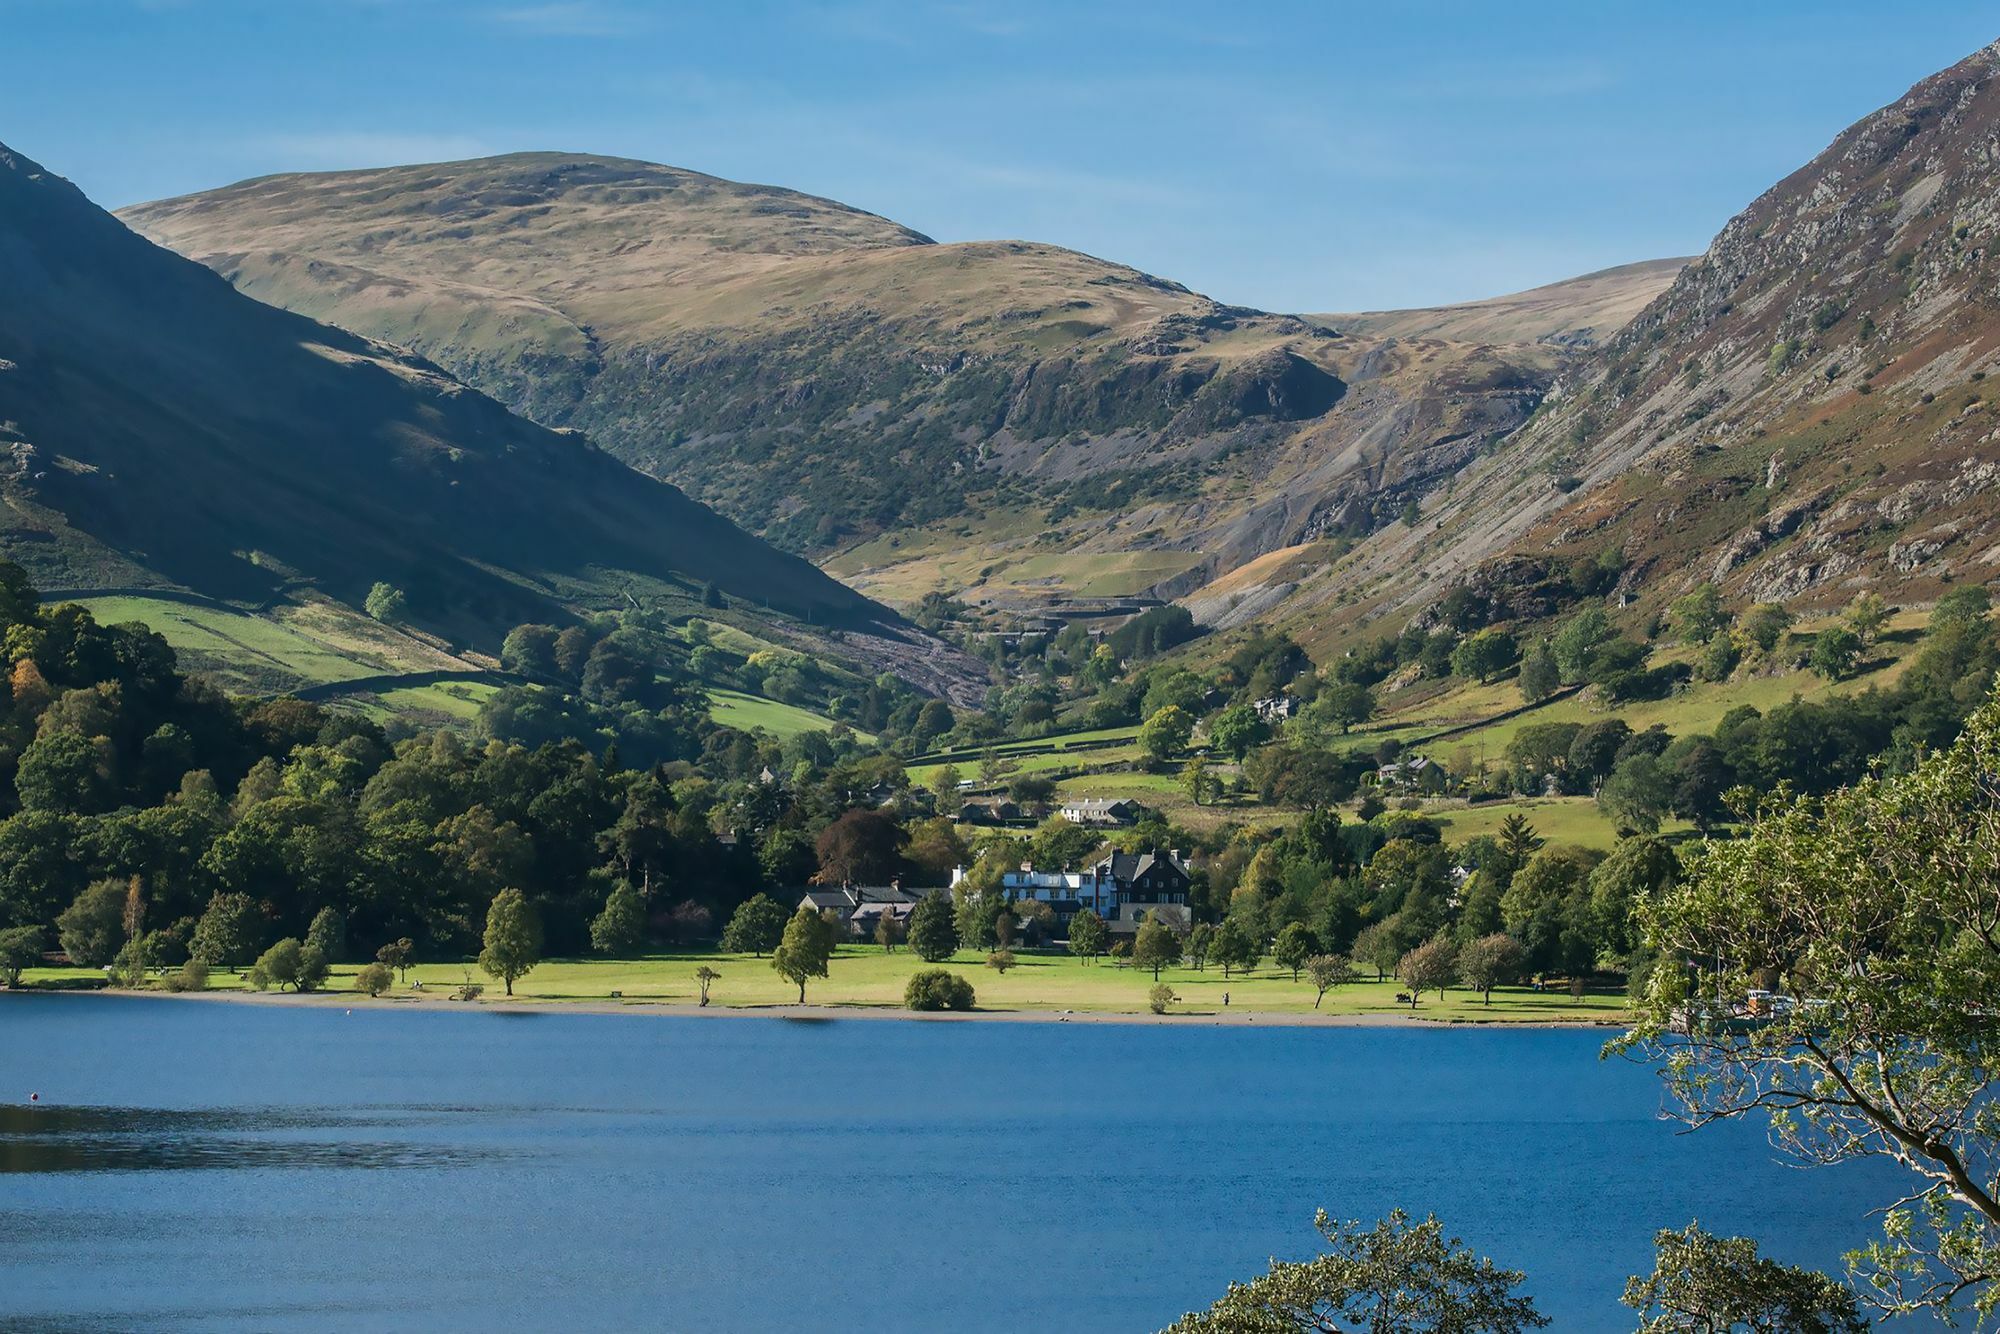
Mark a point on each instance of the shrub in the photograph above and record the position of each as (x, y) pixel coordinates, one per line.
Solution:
(375, 979)
(1160, 997)
(193, 976)
(937, 989)
(1000, 961)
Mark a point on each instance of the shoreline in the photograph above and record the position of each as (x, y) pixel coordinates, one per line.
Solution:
(1238, 1018)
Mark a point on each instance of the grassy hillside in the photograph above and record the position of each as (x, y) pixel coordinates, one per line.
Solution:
(749, 713)
(320, 644)
(829, 378)
(283, 649)
(1577, 312)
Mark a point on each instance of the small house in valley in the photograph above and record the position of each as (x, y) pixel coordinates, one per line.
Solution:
(1103, 812)
(1120, 887)
(861, 907)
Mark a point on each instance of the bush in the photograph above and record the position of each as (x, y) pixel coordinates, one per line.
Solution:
(1160, 997)
(193, 976)
(937, 989)
(375, 979)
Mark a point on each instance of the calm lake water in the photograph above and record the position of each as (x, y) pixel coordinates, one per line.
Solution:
(266, 1167)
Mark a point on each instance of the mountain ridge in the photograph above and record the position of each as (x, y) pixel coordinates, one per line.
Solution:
(1799, 416)
(882, 386)
(1571, 313)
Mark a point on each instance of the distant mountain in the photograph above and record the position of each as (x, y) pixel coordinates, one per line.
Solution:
(1577, 312)
(158, 429)
(1005, 420)
(1805, 411)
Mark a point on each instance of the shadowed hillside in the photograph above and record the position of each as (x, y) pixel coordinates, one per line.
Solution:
(160, 429)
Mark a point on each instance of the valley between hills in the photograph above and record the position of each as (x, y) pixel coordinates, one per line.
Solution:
(559, 447)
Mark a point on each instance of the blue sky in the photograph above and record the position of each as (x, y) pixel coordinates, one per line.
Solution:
(1300, 156)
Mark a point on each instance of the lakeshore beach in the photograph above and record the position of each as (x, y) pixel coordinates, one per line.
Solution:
(1236, 1017)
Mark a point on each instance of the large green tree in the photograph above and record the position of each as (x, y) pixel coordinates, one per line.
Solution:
(804, 950)
(1166, 733)
(1087, 935)
(20, 948)
(513, 938)
(230, 932)
(933, 933)
(620, 930)
(1490, 961)
(1293, 946)
(756, 927)
(1235, 947)
(92, 929)
(1155, 946)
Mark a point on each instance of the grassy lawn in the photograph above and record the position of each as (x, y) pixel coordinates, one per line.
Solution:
(749, 713)
(865, 976)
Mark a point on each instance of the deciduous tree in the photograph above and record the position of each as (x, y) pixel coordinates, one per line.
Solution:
(20, 948)
(1326, 972)
(1490, 961)
(1235, 948)
(1087, 935)
(513, 939)
(1293, 946)
(755, 927)
(1166, 733)
(1431, 966)
(1156, 946)
(620, 930)
(1702, 1284)
(1875, 908)
(804, 950)
(1397, 1277)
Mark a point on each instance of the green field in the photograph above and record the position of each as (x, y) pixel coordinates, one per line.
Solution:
(864, 976)
(1556, 820)
(750, 713)
(315, 643)
(443, 702)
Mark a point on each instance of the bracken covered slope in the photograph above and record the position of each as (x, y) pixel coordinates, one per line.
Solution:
(159, 429)
(827, 377)
(1802, 414)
